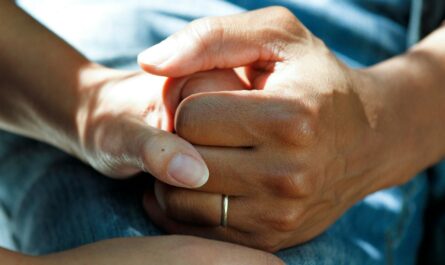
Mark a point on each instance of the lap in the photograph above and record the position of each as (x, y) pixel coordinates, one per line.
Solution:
(55, 202)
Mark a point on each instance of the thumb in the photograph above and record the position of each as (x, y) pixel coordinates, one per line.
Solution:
(223, 42)
(173, 160)
(166, 156)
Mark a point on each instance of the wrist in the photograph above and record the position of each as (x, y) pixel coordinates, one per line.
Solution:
(106, 96)
(403, 105)
(92, 79)
(65, 129)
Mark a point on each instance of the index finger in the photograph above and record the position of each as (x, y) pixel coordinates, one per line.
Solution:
(224, 119)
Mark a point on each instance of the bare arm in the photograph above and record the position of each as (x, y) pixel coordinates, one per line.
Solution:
(36, 69)
(407, 93)
(50, 92)
(110, 119)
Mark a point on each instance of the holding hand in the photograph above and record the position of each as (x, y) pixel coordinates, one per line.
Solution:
(121, 118)
(312, 138)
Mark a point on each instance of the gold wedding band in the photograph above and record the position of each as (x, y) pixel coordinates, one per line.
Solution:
(224, 210)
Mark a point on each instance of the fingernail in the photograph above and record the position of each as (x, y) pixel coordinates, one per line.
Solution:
(188, 171)
(157, 54)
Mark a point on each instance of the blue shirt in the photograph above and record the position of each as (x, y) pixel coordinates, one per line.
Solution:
(113, 32)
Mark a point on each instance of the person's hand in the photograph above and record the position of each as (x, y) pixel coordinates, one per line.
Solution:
(162, 250)
(312, 138)
(126, 120)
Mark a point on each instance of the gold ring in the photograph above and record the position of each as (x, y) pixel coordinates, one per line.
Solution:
(224, 210)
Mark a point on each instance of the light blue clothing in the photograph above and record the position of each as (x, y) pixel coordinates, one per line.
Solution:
(50, 201)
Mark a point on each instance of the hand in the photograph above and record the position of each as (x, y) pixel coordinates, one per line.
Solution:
(121, 118)
(312, 138)
(110, 119)
(163, 250)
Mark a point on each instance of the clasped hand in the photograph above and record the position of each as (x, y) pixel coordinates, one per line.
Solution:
(293, 152)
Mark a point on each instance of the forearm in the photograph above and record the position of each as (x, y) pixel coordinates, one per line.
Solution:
(13, 258)
(409, 104)
(40, 80)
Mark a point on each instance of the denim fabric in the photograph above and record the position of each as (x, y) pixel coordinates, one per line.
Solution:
(50, 201)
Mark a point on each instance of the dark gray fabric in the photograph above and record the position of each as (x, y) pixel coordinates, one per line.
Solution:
(433, 13)
(432, 247)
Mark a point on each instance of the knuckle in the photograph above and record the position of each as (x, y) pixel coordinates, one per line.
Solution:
(306, 128)
(204, 31)
(311, 118)
(283, 13)
(296, 186)
(298, 126)
(286, 221)
(291, 28)
(291, 186)
(290, 179)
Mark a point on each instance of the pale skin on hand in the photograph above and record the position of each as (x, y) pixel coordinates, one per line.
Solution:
(50, 92)
(116, 116)
(308, 141)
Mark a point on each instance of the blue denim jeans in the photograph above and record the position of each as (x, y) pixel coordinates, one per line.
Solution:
(50, 201)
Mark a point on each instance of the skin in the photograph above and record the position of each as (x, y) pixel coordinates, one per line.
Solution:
(96, 100)
(309, 140)
(365, 114)
(117, 122)
(181, 250)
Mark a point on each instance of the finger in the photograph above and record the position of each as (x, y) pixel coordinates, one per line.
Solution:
(166, 156)
(229, 118)
(177, 89)
(221, 42)
(233, 171)
(229, 234)
(161, 218)
(189, 206)
(248, 118)
(213, 81)
(201, 208)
